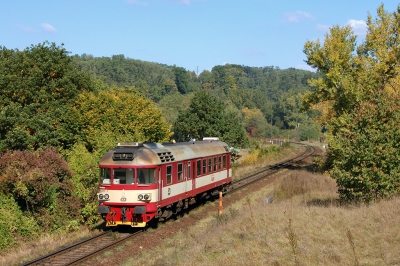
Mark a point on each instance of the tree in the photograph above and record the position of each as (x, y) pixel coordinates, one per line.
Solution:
(37, 86)
(335, 61)
(206, 117)
(356, 90)
(254, 122)
(368, 147)
(118, 114)
(181, 79)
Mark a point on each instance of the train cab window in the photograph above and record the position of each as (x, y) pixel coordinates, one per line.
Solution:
(198, 167)
(169, 174)
(180, 172)
(123, 176)
(219, 162)
(105, 176)
(146, 176)
(215, 164)
(224, 161)
(210, 165)
(204, 166)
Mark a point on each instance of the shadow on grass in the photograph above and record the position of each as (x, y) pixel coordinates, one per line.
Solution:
(324, 203)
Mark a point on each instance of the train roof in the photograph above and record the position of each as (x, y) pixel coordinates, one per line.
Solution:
(150, 153)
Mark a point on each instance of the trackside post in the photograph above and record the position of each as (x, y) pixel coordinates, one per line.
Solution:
(220, 204)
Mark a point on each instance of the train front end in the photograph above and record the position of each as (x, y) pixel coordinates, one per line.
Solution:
(128, 193)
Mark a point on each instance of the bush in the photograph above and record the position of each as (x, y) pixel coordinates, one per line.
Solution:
(39, 182)
(13, 223)
(366, 150)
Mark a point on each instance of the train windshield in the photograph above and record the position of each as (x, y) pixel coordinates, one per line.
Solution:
(146, 176)
(123, 176)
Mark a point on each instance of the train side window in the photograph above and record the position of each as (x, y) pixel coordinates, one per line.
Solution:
(204, 166)
(209, 165)
(215, 164)
(169, 174)
(189, 174)
(180, 172)
(219, 162)
(146, 176)
(224, 161)
(198, 167)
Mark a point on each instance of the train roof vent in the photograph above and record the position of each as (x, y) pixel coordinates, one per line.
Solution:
(166, 156)
(123, 156)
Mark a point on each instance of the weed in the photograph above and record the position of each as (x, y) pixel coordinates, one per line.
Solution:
(293, 241)
(353, 247)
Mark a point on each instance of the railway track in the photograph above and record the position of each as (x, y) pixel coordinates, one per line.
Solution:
(86, 250)
(237, 184)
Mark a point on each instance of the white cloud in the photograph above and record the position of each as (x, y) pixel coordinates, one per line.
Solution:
(294, 17)
(359, 26)
(27, 29)
(49, 28)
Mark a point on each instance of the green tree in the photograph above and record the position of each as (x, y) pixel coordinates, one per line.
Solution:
(181, 79)
(369, 147)
(121, 115)
(205, 117)
(37, 86)
(356, 90)
(84, 164)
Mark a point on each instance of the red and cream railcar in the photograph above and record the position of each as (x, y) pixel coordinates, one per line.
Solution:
(143, 182)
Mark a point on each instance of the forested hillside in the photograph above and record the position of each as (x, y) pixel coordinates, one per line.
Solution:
(260, 96)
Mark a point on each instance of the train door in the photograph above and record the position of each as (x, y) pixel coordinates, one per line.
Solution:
(188, 177)
(185, 178)
(160, 185)
(192, 172)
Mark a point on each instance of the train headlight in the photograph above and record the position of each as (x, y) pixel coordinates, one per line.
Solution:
(145, 197)
(106, 196)
(101, 196)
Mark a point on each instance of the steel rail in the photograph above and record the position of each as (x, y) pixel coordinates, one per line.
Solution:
(83, 250)
(244, 181)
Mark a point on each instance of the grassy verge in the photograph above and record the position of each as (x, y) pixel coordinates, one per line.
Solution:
(304, 225)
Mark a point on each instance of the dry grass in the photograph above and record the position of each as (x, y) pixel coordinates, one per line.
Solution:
(304, 225)
(250, 161)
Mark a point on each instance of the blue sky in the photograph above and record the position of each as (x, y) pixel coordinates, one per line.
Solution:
(194, 34)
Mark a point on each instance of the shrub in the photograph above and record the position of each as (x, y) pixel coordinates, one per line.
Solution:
(39, 182)
(13, 223)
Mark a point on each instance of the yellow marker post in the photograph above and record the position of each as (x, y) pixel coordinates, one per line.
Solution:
(220, 204)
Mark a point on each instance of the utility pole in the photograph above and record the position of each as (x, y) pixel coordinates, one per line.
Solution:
(271, 131)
